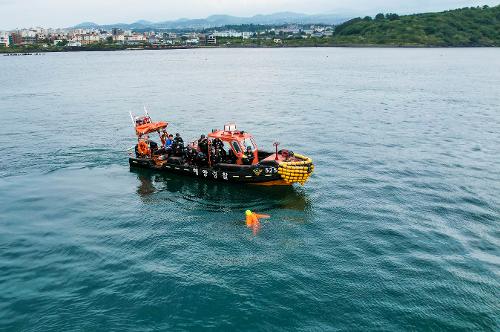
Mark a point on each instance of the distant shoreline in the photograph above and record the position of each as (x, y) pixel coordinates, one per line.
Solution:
(7, 52)
(468, 27)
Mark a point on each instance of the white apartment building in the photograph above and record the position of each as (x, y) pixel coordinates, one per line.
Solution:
(119, 38)
(135, 39)
(211, 40)
(29, 36)
(4, 39)
(86, 39)
(228, 34)
(74, 44)
(192, 41)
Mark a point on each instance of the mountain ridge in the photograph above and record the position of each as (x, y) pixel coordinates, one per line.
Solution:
(219, 20)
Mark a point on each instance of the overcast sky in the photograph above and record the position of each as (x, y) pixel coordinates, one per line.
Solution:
(65, 13)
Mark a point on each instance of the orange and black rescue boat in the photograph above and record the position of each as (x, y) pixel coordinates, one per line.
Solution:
(227, 155)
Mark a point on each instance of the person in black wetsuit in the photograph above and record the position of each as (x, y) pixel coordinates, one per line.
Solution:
(178, 145)
(178, 138)
(219, 152)
(217, 143)
(153, 146)
(203, 144)
(191, 154)
(201, 159)
(231, 157)
(248, 156)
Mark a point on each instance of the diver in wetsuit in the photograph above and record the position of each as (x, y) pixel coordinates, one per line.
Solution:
(218, 144)
(201, 159)
(219, 152)
(153, 146)
(203, 144)
(231, 157)
(178, 145)
(191, 154)
(178, 138)
(248, 156)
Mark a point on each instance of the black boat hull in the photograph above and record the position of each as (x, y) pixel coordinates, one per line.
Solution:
(262, 173)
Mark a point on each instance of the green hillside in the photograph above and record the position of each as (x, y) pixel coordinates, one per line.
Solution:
(478, 26)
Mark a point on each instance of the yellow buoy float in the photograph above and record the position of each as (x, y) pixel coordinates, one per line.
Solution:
(296, 171)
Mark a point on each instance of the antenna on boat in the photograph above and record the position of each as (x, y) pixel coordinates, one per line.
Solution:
(146, 111)
(276, 144)
(132, 117)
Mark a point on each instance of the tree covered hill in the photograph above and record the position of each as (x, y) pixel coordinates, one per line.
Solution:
(475, 26)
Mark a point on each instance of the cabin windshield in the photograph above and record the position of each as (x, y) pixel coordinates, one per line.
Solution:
(248, 142)
(236, 147)
(226, 146)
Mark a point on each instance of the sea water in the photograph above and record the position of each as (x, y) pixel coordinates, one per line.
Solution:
(397, 229)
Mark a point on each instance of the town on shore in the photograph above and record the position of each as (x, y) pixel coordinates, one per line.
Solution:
(41, 39)
(465, 27)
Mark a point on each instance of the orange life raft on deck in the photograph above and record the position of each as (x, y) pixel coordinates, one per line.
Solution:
(150, 127)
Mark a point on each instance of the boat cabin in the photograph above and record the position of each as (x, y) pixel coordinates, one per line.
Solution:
(241, 144)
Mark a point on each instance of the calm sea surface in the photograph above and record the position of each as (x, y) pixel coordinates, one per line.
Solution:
(398, 228)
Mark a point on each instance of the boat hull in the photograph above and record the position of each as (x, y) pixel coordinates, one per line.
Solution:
(262, 173)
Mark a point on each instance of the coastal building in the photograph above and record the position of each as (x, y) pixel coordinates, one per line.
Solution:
(74, 44)
(4, 39)
(211, 40)
(117, 32)
(192, 41)
(290, 29)
(53, 36)
(119, 38)
(277, 41)
(190, 35)
(86, 38)
(28, 36)
(152, 39)
(135, 39)
(232, 34)
(15, 39)
(105, 35)
(228, 34)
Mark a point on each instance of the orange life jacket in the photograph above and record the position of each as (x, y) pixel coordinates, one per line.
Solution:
(143, 148)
